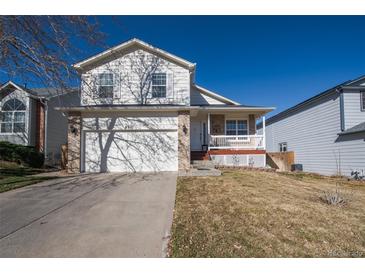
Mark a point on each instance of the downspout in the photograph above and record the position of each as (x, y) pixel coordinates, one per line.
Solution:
(44, 103)
(342, 109)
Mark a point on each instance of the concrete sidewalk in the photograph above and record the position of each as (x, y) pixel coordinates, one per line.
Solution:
(95, 215)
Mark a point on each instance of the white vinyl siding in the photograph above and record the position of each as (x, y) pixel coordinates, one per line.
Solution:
(198, 98)
(129, 80)
(352, 107)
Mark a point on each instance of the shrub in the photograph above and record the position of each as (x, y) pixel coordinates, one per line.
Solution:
(333, 198)
(26, 155)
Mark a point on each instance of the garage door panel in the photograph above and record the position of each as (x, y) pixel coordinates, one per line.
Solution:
(119, 151)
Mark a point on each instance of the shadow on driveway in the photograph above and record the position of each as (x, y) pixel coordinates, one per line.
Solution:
(94, 215)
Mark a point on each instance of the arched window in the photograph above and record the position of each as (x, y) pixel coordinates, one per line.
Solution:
(12, 117)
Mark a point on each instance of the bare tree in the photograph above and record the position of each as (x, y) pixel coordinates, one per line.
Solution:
(39, 49)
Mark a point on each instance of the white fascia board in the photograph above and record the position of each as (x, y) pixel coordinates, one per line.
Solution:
(216, 96)
(11, 83)
(128, 44)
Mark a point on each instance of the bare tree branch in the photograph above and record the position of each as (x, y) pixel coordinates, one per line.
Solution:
(39, 50)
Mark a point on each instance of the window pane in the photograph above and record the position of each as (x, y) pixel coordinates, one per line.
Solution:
(363, 100)
(19, 116)
(242, 124)
(6, 116)
(159, 79)
(242, 132)
(13, 104)
(105, 92)
(231, 124)
(6, 127)
(106, 79)
(231, 132)
(19, 127)
(158, 91)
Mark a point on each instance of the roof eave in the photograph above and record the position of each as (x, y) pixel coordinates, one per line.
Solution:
(216, 95)
(79, 66)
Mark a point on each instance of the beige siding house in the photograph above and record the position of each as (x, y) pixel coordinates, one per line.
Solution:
(141, 110)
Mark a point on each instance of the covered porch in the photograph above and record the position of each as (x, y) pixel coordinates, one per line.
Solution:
(227, 128)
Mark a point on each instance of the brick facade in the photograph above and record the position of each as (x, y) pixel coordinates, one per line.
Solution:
(74, 142)
(184, 140)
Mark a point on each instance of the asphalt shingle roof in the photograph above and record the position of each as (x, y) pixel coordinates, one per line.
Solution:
(355, 129)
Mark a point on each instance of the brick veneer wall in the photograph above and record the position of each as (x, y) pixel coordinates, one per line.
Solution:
(74, 142)
(183, 140)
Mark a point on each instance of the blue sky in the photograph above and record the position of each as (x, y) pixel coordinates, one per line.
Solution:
(256, 60)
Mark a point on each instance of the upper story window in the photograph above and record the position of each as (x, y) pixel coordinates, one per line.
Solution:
(236, 127)
(283, 147)
(159, 85)
(362, 98)
(12, 117)
(105, 85)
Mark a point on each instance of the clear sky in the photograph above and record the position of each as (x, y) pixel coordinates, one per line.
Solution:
(256, 60)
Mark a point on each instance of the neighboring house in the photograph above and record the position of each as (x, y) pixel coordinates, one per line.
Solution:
(142, 111)
(28, 117)
(326, 132)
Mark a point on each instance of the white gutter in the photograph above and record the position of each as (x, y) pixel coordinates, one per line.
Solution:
(161, 108)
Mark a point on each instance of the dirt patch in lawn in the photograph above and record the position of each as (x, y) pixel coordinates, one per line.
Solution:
(260, 214)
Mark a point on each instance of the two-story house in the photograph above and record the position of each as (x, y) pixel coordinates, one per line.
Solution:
(28, 117)
(326, 132)
(141, 110)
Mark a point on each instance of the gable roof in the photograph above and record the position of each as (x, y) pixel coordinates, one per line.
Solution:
(350, 84)
(12, 85)
(128, 44)
(355, 129)
(215, 95)
(36, 92)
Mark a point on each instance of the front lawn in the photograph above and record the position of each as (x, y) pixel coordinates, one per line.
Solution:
(14, 176)
(265, 214)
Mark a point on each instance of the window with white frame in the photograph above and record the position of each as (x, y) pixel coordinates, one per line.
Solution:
(158, 85)
(236, 127)
(12, 117)
(362, 98)
(283, 147)
(105, 85)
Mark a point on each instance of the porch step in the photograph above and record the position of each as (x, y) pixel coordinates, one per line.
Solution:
(203, 164)
(199, 155)
(200, 173)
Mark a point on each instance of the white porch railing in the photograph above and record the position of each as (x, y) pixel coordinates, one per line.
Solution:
(236, 142)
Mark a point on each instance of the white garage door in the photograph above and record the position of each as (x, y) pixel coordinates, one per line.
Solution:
(130, 151)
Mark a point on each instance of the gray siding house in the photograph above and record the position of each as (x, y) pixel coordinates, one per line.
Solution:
(326, 132)
(28, 117)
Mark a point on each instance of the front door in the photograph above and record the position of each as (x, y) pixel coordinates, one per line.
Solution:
(196, 136)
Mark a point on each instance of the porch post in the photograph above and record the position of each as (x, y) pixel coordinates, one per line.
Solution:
(263, 133)
(208, 131)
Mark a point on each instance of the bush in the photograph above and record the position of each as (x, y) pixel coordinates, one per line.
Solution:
(333, 198)
(26, 155)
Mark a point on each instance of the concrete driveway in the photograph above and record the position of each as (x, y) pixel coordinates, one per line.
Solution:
(94, 215)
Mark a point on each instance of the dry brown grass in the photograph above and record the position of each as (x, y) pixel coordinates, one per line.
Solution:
(260, 214)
